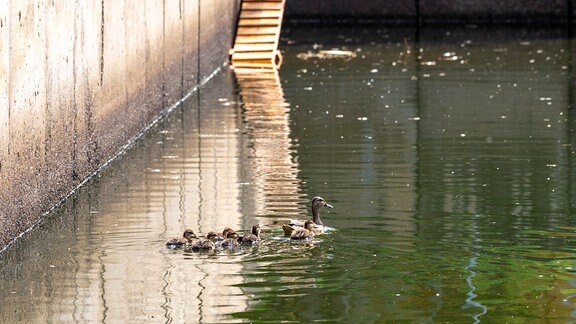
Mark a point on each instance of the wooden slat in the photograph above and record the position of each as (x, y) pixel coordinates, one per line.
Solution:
(243, 22)
(255, 47)
(250, 70)
(252, 55)
(261, 14)
(256, 60)
(252, 58)
(251, 64)
(258, 5)
(257, 30)
(255, 74)
(249, 39)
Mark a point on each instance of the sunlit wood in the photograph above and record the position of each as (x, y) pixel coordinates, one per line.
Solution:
(256, 43)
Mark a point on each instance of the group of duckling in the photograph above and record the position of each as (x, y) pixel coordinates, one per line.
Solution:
(229, 239)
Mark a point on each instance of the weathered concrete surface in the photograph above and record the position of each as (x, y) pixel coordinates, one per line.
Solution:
(79, 79)
(435, 11)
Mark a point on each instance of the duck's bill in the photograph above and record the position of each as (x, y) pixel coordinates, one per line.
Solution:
(328, 205)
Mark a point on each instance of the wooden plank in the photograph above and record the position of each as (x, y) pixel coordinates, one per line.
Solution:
(260, 14)
(255, 47)
(254, 66)
(254, 61)
(252, 55)
(251, 64)
(257, 30)
(258, 5)
(255, 74)
(269, 22)
(245, 72)
(249, 39)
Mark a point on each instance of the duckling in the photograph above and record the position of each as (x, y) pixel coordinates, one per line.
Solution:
(226, 231)
(304, 233)
(317, 203)
(186, 239)
(214, 237)
(253, 237)
(203, 244)
(231, 241)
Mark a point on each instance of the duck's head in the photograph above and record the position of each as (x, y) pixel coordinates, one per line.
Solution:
(226, 231)
(189, 235)
(231, 234)
(319, 202)
(213, 236)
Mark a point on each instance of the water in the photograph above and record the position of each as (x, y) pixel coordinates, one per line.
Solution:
(447, 154)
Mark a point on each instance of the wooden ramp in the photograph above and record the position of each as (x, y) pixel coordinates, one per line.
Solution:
(258, 33)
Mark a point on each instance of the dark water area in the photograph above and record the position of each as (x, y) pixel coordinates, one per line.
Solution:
(447, 154)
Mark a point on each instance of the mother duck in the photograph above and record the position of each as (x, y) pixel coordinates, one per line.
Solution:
(317, 203)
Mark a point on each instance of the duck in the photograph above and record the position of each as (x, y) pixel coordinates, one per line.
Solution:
(253, 237)
(317, 203)
(231, 240)
(304, 233)
(203, 244)
(186, 239)
(214, 237)
(226, 231)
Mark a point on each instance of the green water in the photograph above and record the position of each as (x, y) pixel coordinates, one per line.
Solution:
(447, 154)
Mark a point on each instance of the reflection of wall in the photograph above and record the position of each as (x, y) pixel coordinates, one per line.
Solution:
(106, 245)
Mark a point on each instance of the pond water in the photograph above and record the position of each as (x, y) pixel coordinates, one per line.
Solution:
(447, 154)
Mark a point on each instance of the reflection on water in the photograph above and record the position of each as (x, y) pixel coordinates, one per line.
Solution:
(271, 161)
(447, 155)
(101, 257)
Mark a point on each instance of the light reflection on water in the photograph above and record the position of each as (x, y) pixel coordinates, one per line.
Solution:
(448, 160)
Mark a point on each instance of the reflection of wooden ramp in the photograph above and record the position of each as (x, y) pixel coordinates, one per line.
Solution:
(255, 60)
(256, 43)
(273, 171)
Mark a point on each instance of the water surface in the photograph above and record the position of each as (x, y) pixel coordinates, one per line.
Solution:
(447, 154)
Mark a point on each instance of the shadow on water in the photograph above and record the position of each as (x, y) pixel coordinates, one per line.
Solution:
(447, 156)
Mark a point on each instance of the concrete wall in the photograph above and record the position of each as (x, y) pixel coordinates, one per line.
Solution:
(80, 79)
(436, 11)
